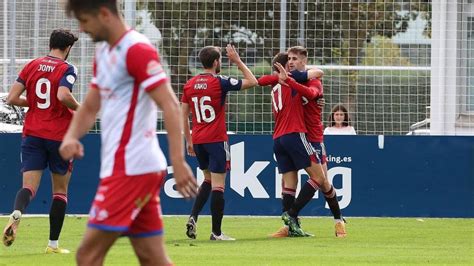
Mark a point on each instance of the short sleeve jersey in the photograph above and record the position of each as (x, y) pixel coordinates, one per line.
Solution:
(286, 106)
(206, 96)
(47, 117)
(124, 73)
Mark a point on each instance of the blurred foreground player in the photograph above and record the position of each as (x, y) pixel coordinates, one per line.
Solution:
(127, 86)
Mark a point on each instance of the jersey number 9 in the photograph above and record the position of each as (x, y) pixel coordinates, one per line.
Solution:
(46, 96)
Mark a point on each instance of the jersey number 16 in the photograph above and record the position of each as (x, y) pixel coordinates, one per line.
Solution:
(200, 108)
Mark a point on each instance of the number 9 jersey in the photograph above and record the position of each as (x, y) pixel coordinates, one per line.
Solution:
(46, 117)
(206, 96)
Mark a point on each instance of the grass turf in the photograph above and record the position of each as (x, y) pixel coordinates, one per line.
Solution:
(370, 241)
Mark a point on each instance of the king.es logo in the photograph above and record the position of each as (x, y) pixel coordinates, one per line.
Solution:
(251, 178)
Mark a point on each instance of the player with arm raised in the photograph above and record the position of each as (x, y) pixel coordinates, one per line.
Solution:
(127, 86)
(205, 97)
(297, 60)
(292, 151)
(48, 82)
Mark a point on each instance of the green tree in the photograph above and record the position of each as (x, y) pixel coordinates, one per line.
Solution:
(336, 32)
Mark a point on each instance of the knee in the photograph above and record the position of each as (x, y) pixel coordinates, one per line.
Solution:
(86, 257)
(151, 260)
(147, 259)
(81, 256)
(144, 260)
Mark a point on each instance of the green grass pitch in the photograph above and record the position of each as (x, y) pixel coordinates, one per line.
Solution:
(370, 241)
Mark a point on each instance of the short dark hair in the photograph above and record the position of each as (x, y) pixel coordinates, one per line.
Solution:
(299, 50)
(61, 39)
(75, 7)
(339, 107)
(282, 58)
(208, 55)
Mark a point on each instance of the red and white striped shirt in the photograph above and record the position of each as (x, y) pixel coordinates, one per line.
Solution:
(124, 73)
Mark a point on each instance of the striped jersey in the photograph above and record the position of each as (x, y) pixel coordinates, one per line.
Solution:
(124, 73)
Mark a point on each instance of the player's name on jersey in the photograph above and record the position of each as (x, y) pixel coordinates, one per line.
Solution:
(200, 86)
(46, 68)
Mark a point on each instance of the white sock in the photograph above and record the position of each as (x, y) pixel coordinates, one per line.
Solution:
(338, 221)
(53, 243)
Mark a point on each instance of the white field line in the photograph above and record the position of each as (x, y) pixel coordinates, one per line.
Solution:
(239, 216)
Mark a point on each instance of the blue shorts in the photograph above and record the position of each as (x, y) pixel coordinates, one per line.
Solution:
(320, 150)
(214, 157)
(293, 152)
(38, 153)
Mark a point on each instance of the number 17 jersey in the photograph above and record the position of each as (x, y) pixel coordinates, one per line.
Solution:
(46, 117)
(206, 96)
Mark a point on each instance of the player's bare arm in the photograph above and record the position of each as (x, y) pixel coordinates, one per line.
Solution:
(65, 97)
(315, 73)
(186, 129)
(82, 121)
(165, 98)
(249, 79)
(14, 96)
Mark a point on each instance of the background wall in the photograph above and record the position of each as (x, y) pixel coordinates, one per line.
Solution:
(400, 176)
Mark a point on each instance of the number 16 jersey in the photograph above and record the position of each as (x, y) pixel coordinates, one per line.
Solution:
(47, 117)
(206, 96)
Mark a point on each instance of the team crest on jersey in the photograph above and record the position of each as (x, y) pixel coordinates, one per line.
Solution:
(233, 81)
(153, 68)
(71, 79)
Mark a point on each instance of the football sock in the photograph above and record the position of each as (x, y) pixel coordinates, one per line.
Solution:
(331, 199)
(22, 199)
(288, 198)
(217, 209)
(201, 198)
(53, 243)
(306, 194)
(56, 215)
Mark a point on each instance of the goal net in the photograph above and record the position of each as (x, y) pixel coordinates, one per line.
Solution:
(376, 55)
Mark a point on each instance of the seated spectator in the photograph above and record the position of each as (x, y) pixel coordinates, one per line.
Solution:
(340, 123)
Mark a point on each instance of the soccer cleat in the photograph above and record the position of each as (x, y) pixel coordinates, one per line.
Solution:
(58, 250)
(340, 229)
(306, 234)
(9, 233)
(222, 237)
(294, 227)
(282, 232)
(191, 228)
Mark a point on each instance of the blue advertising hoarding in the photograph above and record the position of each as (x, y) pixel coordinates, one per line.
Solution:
(396, 176)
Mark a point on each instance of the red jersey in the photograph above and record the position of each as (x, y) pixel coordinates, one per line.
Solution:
(206, 96)
(46, 117)
(287, 104)
(313, 114)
